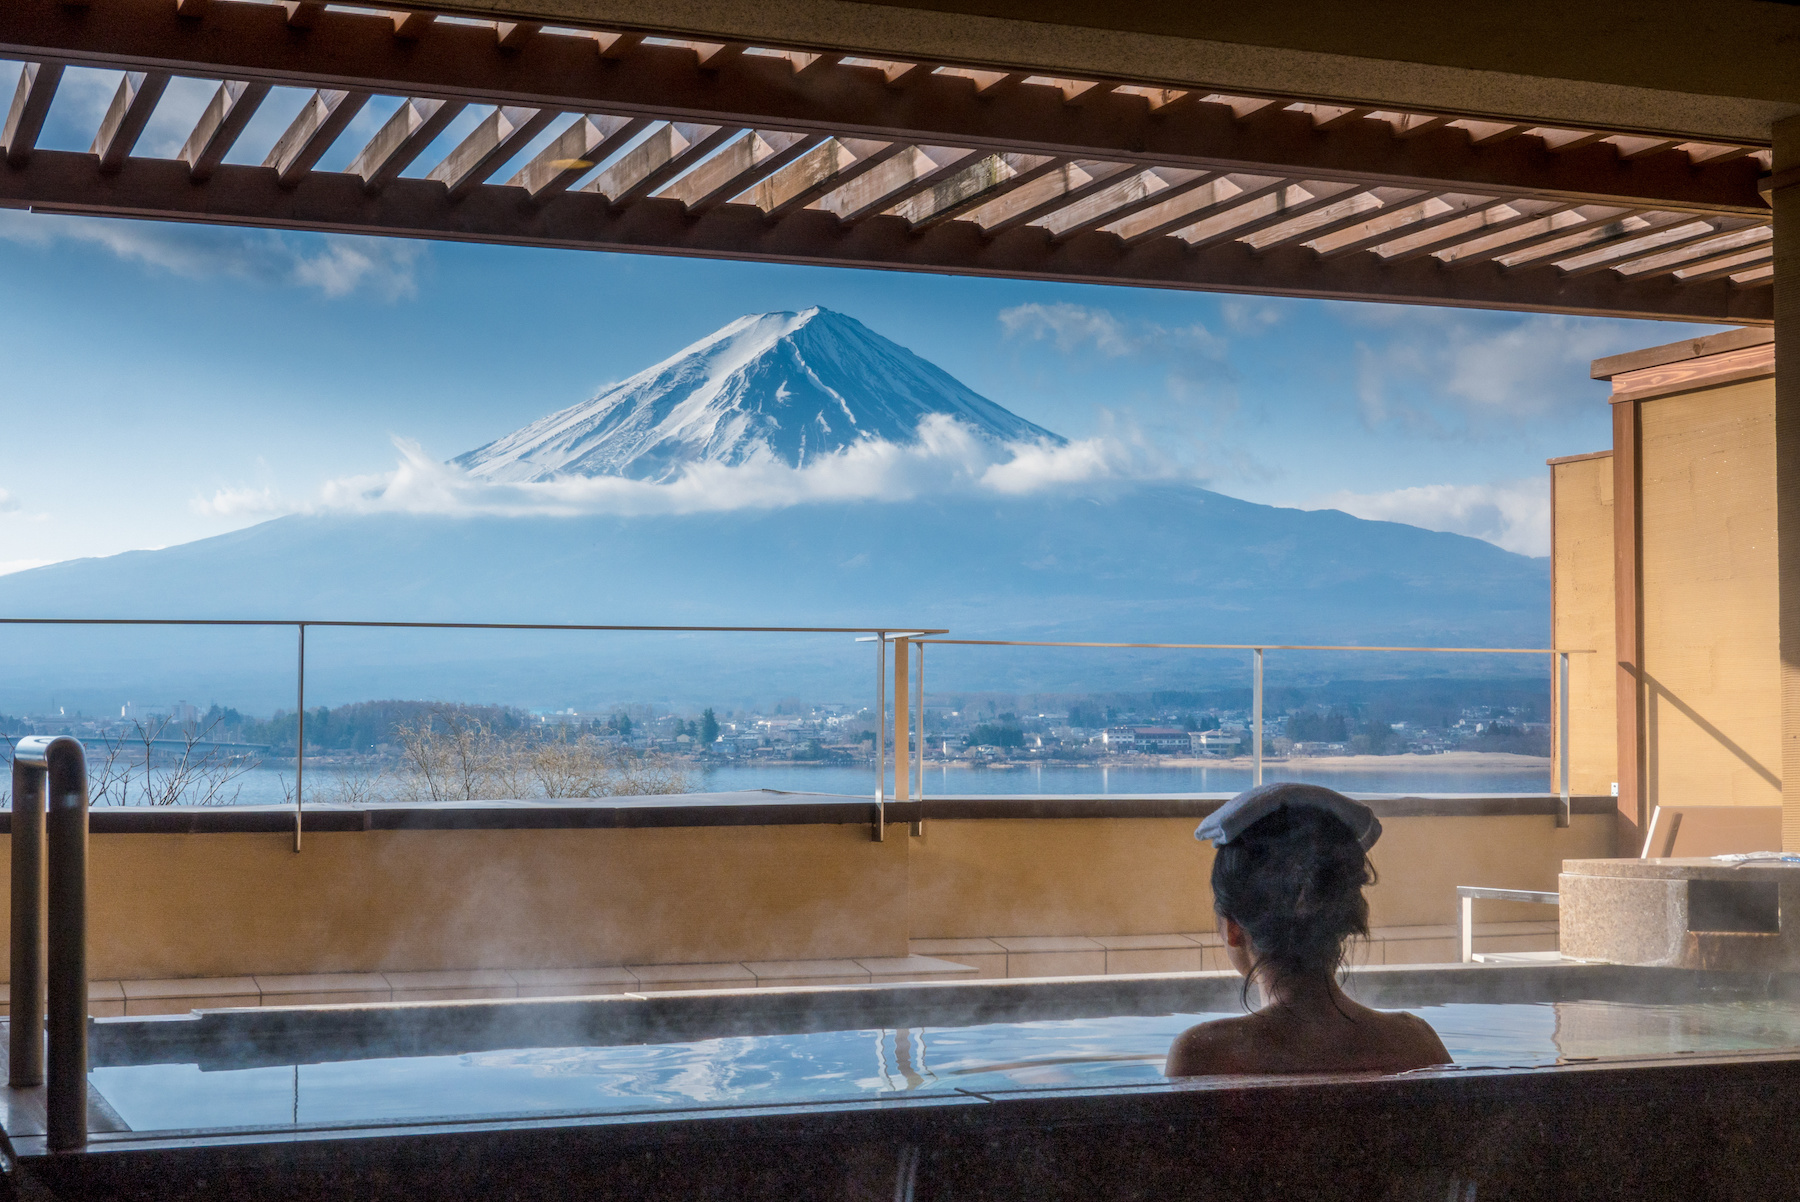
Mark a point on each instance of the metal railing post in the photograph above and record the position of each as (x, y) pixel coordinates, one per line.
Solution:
(918, 827)
(1256, 708)
(26, 1042)
(300, 737)
(902, 722)
(880, 831)
(1562, 735)
(63, 762)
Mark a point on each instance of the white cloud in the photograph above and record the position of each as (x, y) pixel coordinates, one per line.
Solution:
(233, 502)
(1072, 327)
(335, 264)
(1513, 514)
(9, 503)
(1448, 372)
(947, 457)
(1249, 317)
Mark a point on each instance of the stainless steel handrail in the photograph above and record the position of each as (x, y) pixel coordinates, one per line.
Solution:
(52, 769)
(1466, 896)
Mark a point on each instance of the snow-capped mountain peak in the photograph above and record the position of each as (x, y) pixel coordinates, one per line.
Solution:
(777, 387)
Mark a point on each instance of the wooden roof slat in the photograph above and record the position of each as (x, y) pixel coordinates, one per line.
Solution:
(1731, 266)
(1747, 251)
(666, 152)
(132, 105)
(510, 35)
(586, 143)
(1650, 244)
(410, 26)
(737, 166)
(492, 144)
(1497, 218)
(1591, 238)
(1400, 221)
(1261, 209)
(1120, 201)
(1216, 196)
(315, 127)
(978, 183)
(356, 51)
(30, 105)
(1693, 252)
(413, 126)
(824, 168)
(1351, 211)
(914, 169)
(220, 125)
(1553, 226)
(1052, 193)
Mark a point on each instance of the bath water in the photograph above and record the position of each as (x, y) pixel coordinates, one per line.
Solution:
(861, 1064)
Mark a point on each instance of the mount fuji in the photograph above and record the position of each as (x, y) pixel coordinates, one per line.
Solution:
(784, 388)
(1109, 559)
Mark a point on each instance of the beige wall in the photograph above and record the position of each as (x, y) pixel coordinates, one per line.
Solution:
(1582, 617)
(230, 904)
(1711, 648)
(222, 905)
(1149, 875)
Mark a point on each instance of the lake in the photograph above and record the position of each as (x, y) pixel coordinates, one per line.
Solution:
(1405, 774)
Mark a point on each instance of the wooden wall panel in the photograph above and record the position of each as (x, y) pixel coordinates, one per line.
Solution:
(1581, 550)
(1710, 595)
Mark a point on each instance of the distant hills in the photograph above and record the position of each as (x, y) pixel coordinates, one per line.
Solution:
(1115, 561)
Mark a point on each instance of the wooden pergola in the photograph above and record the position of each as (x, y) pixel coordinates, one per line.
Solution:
(664, 143)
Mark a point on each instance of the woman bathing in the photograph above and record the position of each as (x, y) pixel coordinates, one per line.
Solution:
(1287, 885)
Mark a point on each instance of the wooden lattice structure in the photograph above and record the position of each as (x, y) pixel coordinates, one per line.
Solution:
(669, 145)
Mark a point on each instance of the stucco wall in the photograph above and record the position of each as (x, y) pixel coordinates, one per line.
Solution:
(1582, 618)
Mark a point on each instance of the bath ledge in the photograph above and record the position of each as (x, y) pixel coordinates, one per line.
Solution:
(764, 807)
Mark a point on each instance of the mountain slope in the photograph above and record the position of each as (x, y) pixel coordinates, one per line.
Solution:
(781, 387)
(1162, 563)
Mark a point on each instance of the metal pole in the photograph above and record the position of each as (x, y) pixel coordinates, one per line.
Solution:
(918, 828)
(1256, 716)
(902, 722)
(1562, 735)
(66, 834)
(26, 1045)
(880, 832)
(300, 737)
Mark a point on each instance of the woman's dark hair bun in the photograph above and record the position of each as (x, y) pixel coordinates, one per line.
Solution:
(1294, 881)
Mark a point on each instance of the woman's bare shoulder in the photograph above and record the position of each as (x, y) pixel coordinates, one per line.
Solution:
(1420, 1038)
(1208, 1048)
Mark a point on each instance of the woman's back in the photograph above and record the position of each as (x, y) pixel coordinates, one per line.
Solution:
(1343, 1037)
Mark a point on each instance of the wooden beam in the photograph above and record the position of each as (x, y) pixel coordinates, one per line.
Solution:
(1628, 614)
(220, 125)
(302, 13)
(132, 104)
(314, 129)
(1398, 223)
(491, 145)
(912, 171)
(411, 26)
(415, 125)
(355, 51)
(191, 8)
(336, 202)
(510, 35)
(1053, 192)
(1163, 191)
(30, 105)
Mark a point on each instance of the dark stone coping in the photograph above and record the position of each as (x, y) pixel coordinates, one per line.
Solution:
(757, 807)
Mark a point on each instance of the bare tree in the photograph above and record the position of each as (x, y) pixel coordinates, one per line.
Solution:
(195, 772)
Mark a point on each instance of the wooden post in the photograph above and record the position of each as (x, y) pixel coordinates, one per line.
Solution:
(1784, 197)
(1627, 618)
